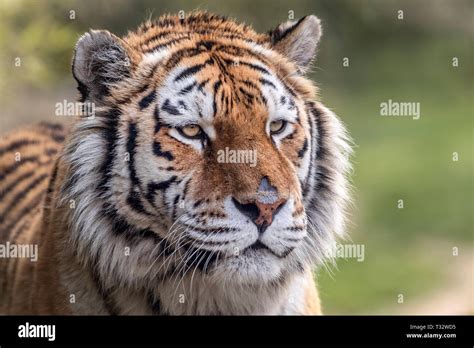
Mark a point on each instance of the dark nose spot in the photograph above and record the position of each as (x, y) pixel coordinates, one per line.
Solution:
(263, 209)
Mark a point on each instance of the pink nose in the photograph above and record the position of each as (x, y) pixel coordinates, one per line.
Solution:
(261, 214)
(267, 211)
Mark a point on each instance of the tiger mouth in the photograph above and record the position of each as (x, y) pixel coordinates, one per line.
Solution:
(258, 245)
(205, 260)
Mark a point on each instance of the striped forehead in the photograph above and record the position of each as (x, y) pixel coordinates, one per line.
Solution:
(192, 92)
(183, 98)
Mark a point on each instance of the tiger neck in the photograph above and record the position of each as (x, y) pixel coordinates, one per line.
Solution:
(194, 295)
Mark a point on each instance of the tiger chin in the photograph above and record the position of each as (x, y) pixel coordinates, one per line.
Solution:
(131, 208)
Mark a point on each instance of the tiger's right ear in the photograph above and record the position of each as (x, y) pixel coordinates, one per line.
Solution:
(298, 40)
(100, 60)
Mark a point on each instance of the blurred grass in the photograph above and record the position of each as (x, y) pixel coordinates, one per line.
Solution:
(401, 158)
(395, 158)
(389, 269)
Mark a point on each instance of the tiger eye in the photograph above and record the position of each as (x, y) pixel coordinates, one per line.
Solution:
(191, 131)
(277, 126)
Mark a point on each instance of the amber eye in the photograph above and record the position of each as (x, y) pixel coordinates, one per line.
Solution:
(277, 127)
(191, 131)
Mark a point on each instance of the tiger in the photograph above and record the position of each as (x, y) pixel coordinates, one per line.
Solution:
(128, 205)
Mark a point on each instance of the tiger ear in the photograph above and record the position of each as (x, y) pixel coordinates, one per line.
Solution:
(298, 40)
(100, 60)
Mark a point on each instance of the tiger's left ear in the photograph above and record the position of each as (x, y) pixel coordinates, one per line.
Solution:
(298, 40)
(100, 60)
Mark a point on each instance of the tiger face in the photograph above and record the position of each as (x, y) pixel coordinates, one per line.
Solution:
(247, 210)
(208, 151)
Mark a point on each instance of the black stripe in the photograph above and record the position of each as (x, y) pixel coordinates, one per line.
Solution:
(202, 85)
(165, 44)
(131, 143)
(175, 203)
(17, 144)
(153, 187)
(10, 169)
(120, 227)
(134, 201)
(312, 115)
(181, 54)
(133, 198)
(22, 225)
(303, 150)
(171, 109)
(288, 88)
(186, 189)
(159, 186)
(110, 134)
(52, 182)
(249, 84)
(50, 151)
(213, 230)
(156, 144)
(193, 70)
(268, 83)
(255, 67)
(18, 180)
(105, 293)
(247, 94)
(24, 211)
(279, 35)
(298, 118)
(158, 152)
(187, 89)
(58, 138)
(156, 37)
(56, 131)
(58, 127)
(323, 178)
(207, 44)
(321, 152)
(256, 88)
(24, 192)
(323, 173)
(147, 100)
(239, 52)
(198, 203)
(217, 85)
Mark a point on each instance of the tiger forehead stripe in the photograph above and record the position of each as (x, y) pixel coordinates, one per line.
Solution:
(237, 54)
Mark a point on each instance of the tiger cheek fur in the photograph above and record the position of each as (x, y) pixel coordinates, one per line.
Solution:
(149, 213)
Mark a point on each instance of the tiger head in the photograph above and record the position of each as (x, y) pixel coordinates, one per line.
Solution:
(207, 150)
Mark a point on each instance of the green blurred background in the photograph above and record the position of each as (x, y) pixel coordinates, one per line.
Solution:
(409, 251)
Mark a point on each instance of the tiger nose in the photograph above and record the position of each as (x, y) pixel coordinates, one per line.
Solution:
(263, 209)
